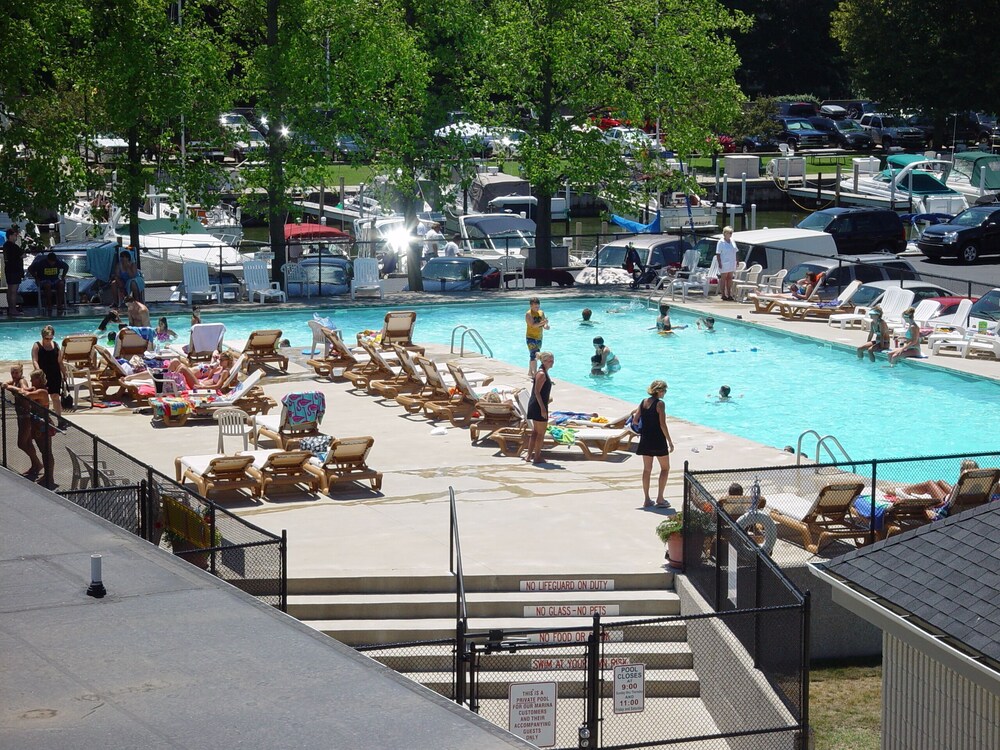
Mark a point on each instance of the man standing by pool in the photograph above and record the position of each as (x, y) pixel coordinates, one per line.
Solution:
(535, 322)
(725, 252)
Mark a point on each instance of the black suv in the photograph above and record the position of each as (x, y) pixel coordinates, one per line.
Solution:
(844, 133)
(860, 230)
(974, 232)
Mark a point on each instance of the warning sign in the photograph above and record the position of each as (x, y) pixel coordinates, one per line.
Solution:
(630, 689)
(532, 707)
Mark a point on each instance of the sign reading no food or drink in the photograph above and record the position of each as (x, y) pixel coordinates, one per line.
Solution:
(532, 709)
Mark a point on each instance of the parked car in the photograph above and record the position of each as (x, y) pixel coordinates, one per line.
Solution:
(844, 133)
(855, 107)
(459, 274)
(654, 250)
(753, 143)
(797, 109)
(974, 232)
(798, 132)
(631, 141)
(888, 131)
(608, 117)
(860, 230)
(868, 294)
(986, 308)
(986, 130)
(840, 271)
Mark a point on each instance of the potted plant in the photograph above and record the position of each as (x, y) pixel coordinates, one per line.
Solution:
(669, 532)
(189, 531)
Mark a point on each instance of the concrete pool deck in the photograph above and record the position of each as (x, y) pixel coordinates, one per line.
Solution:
(569, 516)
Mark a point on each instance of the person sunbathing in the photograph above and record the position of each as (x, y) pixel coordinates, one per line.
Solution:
(206, 376)
(935, 489)
(807, 286)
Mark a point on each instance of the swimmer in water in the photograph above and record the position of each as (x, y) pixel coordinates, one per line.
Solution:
(709, 323)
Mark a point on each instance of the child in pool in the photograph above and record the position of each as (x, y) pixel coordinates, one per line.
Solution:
(604, 360)
(587, 312)
(163, 333)
(709, 323)
(663, 324)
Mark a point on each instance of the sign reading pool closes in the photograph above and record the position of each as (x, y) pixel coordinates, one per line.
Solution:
(532, 707)
(630, 689)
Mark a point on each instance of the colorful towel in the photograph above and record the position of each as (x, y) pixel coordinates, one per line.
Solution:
(863, 509)
(562, 417)
(303, 408)
(147, 333)
(170, 407)
(562, 435)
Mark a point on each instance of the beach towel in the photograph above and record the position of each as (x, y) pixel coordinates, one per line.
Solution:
(562, 435)
(101, 261)
(170, 407)
(863, 508)
(147, 333)
(303, 408)
(206, 336)
(562, 417)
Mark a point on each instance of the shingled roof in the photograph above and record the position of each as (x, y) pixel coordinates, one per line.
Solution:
(944, 578)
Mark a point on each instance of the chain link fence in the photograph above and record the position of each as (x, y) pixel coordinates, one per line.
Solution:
(107, 481)
(826, 509)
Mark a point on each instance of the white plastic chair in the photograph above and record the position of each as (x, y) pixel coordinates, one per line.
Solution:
(366, 277)
(258, 284)
(196, 283)
(233, 422)
(295, 274)
(749, 282)
(514, 266)
(772, 283)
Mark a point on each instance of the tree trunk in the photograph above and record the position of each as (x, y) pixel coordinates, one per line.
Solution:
(414, 248)
(543, 217)
(275, 148)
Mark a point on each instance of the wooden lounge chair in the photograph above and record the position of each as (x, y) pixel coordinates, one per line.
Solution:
(397, 329)
(301, 414)
(408, 380)
(824, 519)
(435, 388)
(218, 473)
(336, 356)
(975, 487)
(346, 461)
(111, 380)
(262, 348)
(283, 468)
(494, 416)
(174, 411)
(461, 406)
(599, 443)
(129, 344)
(800, 309)
(204, 341)
(374, 367)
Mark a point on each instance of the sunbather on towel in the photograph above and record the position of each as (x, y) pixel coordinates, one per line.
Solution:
(207, 376)
(937, 489)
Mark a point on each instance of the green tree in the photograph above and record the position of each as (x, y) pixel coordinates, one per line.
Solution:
(895, 48)
(148, 77)
(656, 61)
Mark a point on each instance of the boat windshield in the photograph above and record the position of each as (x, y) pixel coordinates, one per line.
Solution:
(917, 182)
(440, 268)
(329, 273)
(973, 170)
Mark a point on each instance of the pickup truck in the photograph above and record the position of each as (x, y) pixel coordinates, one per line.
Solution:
(887, 131)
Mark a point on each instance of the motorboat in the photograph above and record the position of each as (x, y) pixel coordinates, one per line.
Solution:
(165, 245)
(308, 239)
(83, 220)
(493, 191)
(911, 180)
(976, 174)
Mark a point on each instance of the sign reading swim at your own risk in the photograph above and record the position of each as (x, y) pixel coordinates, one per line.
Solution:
(532, 712)
(630, 689)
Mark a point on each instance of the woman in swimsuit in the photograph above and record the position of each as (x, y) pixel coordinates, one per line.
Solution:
(24, 427)
(910, 345)
(604, 360)
(538, 408)
(47, 357)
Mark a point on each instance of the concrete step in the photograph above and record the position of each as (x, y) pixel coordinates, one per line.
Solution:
(668, 655)
(323, 584)
(637, 604)
(365, 632)
(660, 683)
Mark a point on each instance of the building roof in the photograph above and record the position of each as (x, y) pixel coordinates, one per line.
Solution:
(942, 578)
(174, 657)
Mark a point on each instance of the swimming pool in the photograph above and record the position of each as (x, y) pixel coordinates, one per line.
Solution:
(781, 384)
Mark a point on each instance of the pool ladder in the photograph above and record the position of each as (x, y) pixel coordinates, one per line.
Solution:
(823, 442)
(474, 336)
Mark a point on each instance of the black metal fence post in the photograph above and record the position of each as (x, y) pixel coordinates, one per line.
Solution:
(806, 647)
(593, 682)
(3, 427)
(873, 525)
(461, 659)
(93, 463)
(283, 573)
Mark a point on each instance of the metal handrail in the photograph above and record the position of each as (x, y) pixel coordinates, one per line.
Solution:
(473, 334)
(821, 442)
(455, 559)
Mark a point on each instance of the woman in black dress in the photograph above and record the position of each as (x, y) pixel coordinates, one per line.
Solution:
(538, 408)
(654, 440)
(47, 357)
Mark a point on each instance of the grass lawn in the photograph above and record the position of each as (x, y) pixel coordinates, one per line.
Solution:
(845, 705)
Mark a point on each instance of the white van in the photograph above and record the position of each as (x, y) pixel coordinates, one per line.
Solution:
(775, 249)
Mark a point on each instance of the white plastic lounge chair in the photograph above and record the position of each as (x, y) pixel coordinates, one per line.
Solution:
(924, 311)
(956, 320)
(258, 284)
(196, 283)
(366, 277)
(893, 302)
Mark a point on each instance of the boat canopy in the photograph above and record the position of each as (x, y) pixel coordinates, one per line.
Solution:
(166, 226)
(494, 225)
(898, 161)
(487, 186)
(314, 233)
(972, 165)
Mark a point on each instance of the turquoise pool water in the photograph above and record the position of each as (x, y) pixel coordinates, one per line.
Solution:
(781, 384)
